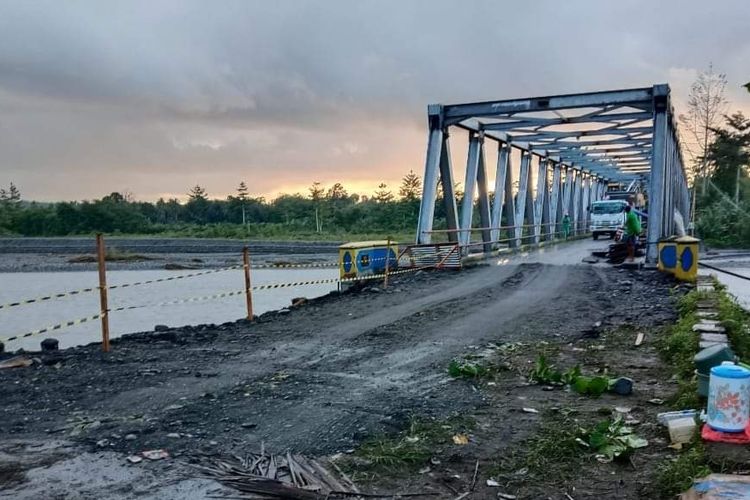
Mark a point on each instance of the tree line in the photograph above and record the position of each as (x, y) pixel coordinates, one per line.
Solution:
(322, 211)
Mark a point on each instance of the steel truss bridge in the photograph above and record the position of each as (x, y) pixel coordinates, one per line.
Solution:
(571, 148)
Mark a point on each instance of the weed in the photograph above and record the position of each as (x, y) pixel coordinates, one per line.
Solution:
(466, 369)
(735, 320)
(591, 386)
(676, 475)
(611, 439)
(545, 373)
(409, 448)
(471, 369)
(686, 397)
(679, 345)
(552, 453)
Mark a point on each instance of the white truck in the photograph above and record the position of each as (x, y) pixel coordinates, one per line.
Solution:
(607, 216)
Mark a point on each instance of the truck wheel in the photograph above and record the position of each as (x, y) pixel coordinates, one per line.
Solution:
(596, 236)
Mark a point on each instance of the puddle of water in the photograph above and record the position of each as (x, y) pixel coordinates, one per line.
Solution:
(15, 286)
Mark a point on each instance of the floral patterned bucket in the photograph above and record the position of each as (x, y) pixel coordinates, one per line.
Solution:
(729, 398)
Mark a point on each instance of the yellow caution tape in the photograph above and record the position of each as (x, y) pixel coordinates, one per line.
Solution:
(66, 324)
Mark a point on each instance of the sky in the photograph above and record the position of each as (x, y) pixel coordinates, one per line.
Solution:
(153, 97)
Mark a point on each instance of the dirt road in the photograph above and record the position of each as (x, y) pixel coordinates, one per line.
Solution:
(317, 379)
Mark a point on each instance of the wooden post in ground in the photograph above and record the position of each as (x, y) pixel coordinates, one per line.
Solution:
(248, 288)
(104, 308)
(387, 263)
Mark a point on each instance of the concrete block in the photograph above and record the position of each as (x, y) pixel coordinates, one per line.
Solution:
(708, 328)
(703, 344)
(707, 314)
(714, 337)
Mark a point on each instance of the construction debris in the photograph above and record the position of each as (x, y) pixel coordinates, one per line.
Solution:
(17, 362)
(277, 476)
(289, 477)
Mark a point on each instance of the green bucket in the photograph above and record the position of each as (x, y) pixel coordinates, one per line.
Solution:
(712, 356)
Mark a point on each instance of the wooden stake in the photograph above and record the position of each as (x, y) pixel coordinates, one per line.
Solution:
(101, 259)
(248, 288)
(387, 263)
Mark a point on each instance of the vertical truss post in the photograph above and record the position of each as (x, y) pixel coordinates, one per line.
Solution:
(546, 209)
(567, 208)
(432, 164)
(497, 201)
(484, 200)
(575, 216)
(523, 198)
(585, 202)
(541, 188)
(467, 205)
(449, 196)
(555, 205)
(657, 185)
(510, 201)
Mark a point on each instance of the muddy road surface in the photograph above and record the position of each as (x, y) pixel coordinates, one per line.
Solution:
(318, 379)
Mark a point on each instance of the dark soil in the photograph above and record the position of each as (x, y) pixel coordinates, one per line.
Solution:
(325, 377)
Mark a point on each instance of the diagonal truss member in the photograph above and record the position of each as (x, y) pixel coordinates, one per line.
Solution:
(569, 149)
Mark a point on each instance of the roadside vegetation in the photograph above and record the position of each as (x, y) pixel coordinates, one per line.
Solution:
(678, 347)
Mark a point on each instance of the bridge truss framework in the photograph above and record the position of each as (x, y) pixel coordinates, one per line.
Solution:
(578, 145)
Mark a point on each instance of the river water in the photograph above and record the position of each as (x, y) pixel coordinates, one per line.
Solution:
(25, 318)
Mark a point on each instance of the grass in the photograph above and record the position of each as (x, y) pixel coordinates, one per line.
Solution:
(679, 343)
(676, 475)
(686, 397)
(551, 454)
(735, 320)
(406, 450)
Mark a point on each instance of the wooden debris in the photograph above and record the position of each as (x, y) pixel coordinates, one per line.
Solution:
(288, 477)
(639, 339)
(474, 479)
(17, 362)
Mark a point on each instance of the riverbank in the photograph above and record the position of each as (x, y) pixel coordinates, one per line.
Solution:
(77, 254)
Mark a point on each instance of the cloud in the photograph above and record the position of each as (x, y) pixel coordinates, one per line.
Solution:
(156, 96)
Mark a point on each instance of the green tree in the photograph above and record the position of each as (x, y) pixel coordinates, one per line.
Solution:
(729, 155)
(317, 193)
(242, 196)
(411, 187)
(197, 205)
(337, 192)
(197, 193)
(382, 194)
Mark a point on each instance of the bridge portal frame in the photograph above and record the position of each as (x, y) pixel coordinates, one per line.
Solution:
(581, 143)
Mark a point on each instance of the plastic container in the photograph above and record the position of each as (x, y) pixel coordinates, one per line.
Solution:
(702, 384)
(681, 430)
(666, 417)
(729, 398)
(712, 356)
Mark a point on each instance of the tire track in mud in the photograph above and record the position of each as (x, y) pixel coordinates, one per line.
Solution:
(365, 383)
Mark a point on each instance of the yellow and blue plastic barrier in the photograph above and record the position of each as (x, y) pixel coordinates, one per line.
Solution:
(365, 258)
